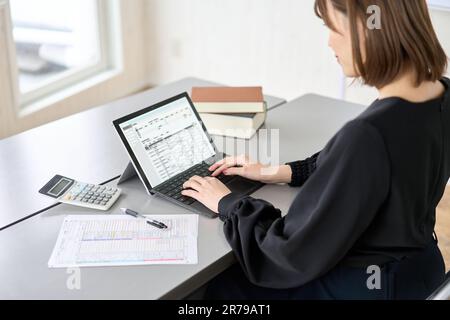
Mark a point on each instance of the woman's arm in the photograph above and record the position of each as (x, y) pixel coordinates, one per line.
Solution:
(294, 173)
(330, 213)
(302, 170)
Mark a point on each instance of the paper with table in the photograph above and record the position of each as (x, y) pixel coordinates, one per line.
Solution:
(118, 240)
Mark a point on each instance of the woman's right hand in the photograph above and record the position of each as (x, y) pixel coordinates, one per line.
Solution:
(244, 167)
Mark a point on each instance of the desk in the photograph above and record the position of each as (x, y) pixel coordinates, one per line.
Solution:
(305, 125)
(84, 146)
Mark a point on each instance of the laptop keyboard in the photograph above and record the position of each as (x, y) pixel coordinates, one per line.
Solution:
(174, 187)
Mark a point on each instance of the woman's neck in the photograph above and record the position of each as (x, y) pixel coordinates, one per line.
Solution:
(404, 87)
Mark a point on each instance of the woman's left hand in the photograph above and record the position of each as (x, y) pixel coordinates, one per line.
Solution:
(209, 191)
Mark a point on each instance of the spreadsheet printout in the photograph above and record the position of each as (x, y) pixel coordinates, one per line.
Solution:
(116, 240)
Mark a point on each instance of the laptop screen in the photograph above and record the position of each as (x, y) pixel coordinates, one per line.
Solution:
(167, 141)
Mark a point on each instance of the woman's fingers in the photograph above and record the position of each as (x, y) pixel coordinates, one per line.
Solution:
(191, 194)
(235, 172)
(217, 165)
(192, 184)
(200, 180)
(221, 163)
(230, 162)
(222, 168)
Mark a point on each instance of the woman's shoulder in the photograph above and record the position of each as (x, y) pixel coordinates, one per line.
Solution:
(358, 143)
(394, 109)
(357, 137)
(360, 131)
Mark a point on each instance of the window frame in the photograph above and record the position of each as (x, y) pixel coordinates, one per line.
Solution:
(73, 81)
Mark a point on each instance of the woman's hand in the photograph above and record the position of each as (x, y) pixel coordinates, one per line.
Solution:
(244, 167)
(209, 191)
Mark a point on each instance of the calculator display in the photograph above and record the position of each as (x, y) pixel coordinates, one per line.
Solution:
(59, 187)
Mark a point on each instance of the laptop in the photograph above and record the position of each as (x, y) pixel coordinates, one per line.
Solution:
(168, 144)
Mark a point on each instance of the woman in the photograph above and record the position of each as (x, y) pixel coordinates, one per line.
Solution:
(368, 199)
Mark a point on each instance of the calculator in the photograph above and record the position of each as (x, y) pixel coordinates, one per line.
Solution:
(81, 194)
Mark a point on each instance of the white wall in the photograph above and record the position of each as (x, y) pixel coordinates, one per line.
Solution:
(279, 44)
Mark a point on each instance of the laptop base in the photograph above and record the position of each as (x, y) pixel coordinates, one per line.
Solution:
(237, 185)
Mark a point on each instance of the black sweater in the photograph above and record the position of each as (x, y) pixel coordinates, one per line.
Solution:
(369, 197)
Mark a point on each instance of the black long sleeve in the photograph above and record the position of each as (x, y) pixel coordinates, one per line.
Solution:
(333, 208)
(302, 170)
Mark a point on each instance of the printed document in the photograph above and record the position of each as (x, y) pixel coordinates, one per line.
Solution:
(120, 240)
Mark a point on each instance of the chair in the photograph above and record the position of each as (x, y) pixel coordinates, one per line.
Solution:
(443, 292)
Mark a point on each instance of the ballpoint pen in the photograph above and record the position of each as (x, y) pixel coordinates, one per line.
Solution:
(152, 222)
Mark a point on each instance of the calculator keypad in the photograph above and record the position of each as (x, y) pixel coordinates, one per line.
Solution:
(91, 194)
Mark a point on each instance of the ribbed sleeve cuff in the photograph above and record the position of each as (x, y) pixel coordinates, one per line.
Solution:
(226, 205)
(302, 170)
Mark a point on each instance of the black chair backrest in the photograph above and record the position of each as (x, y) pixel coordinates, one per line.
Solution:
(443, 292)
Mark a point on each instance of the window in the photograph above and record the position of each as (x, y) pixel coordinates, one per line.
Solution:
(35, 96)
(59, 44)
(439, 4)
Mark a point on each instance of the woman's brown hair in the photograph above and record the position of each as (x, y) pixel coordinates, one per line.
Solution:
(405, 40)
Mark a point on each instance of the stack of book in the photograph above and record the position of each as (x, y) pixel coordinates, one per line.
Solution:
(233, 112)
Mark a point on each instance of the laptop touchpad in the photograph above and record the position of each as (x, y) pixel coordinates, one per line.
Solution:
(241, 185)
